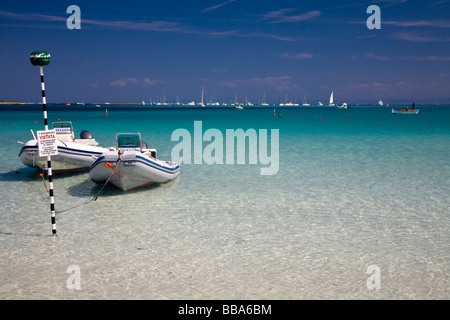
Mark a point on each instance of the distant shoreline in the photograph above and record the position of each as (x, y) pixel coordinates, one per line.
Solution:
(15, 102)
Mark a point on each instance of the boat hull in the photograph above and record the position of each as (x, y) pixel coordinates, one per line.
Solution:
(71, 156)
(411, 111)
(132, 170)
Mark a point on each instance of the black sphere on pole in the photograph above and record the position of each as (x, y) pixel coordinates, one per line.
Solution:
(40, 58)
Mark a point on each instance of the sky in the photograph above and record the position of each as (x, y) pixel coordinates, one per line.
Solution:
(243, 50)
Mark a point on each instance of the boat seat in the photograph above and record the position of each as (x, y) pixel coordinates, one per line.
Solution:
(150, 152)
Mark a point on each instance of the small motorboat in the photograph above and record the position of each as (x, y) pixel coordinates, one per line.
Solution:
(239, 107)
(343, 106)
(405, 111)
(131, 165)
(73, 154)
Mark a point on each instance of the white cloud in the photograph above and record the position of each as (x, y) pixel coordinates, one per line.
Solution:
(371, 56)
(220, 5)
(281, 16)
(414, 37)
(280, 83)
(391, 2)
(125, 81)
(297, 56)
(419, 23)
(430, 58)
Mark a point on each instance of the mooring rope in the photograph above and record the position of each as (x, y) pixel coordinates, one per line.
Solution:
(94, 198)
(41, 175)
(108, 165)
(98, 193)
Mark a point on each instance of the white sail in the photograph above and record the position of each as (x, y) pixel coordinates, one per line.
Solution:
(201, 103)
(304, 101)
(264, 103)
(331, 99)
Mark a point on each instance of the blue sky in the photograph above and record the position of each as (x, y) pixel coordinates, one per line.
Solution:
(136, 50)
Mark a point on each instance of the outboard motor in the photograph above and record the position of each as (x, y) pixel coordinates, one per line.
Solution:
(86, 135)
(144, 145)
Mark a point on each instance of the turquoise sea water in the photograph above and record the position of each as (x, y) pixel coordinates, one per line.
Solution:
(355, 188)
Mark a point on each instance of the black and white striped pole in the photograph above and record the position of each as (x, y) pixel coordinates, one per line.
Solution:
(41, 59)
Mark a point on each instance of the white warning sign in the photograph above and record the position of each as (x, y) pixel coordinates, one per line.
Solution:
(47, 143)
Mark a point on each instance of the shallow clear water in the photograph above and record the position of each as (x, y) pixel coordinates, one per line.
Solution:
(373, 190)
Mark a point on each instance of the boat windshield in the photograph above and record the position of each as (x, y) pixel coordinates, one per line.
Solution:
(63, 127)
(64, 130)
(128, 140)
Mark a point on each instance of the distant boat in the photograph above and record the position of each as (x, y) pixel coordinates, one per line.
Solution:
(331, 104)
(304, 101)
(320, 104)
(380, 103)
(288, 104)
(239, 107)
(405, 111)
(264, 103)
(201, 103)
(343, 106)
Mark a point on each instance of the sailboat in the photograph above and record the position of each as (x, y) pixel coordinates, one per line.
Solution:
(235, 100)
(331, 100)
(304, 101)
(264, 103)
(201, 103)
